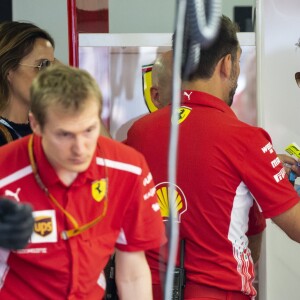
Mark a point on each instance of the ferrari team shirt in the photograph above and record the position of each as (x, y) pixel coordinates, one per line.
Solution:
(53, 268)
(222, 165)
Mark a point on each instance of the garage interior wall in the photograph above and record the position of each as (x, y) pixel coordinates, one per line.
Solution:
(278, 55)
(49, 15)
(278, 58)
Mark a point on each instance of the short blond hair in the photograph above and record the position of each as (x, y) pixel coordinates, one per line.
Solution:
(64, 86)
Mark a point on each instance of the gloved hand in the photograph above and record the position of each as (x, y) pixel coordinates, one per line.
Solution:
(16, 224)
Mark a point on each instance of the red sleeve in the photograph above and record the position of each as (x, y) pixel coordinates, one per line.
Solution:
(143, 225)
(265, 177)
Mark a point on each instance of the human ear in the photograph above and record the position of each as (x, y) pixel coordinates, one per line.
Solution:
(35, 126)
(10, 76)
(155, 96)
(226, 65)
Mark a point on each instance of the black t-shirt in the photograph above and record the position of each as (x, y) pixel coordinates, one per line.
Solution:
(16, 131)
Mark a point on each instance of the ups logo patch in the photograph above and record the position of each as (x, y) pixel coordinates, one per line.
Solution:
(43, 225)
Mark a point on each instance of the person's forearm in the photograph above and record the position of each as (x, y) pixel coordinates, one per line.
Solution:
(255, 246)
(133, 276)
(289, 222)
(137, 289)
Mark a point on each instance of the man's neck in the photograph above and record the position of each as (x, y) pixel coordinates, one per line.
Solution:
(205, 86)
(67, 177)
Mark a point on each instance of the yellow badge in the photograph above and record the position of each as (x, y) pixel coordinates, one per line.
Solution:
(147, 83)
(99, 189)
(293, 149)
(183, 113)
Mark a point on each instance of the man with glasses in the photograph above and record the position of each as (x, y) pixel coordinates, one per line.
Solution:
(90, 195)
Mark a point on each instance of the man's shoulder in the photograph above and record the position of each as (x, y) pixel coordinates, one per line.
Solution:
(115, 150)
(151, 120)
(243, 129)
(14, 159)
(119, 157)
(14, 147)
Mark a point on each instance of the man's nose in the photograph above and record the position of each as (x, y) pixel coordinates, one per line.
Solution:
(78, 145)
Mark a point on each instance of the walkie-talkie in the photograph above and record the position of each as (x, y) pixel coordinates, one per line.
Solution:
(179, 275)
(111, 287)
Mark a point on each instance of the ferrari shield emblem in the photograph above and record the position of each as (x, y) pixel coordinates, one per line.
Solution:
(147, 83)
(183, 113)
(99, 189)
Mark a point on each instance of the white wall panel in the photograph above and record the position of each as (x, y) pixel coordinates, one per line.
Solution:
(50, 15)
(141, 16)
(155, 16)
(279, 106)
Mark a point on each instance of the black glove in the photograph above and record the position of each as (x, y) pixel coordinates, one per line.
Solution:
(16, 224)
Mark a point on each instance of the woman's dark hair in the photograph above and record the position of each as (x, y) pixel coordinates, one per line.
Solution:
(16, 41)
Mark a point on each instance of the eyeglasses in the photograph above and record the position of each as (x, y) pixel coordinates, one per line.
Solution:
(297, 77)
(45, 63)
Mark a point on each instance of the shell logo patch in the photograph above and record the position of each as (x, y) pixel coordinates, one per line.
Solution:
(183, 113)
(99, 189)
(164, 193)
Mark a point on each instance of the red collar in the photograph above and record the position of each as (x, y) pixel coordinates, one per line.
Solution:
(48, 174)
(191, 98)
